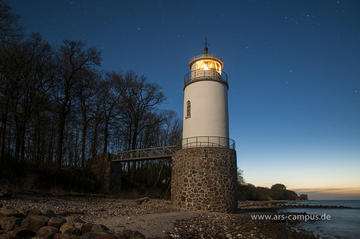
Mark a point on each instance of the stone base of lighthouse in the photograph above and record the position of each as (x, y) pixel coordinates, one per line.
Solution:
(204, 179)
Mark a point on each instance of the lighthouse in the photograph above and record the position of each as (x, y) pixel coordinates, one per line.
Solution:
(204, 170)
(206, 120)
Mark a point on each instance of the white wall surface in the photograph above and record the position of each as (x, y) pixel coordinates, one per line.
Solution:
(209, 109)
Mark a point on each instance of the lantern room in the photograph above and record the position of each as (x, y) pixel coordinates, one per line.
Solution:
(205, 67)
(206, 62)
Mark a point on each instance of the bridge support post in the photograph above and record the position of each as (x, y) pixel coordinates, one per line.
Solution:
(100, 166)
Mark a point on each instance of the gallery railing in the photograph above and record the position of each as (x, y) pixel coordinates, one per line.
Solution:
(199, 75)
(208, 141)
(205, 56)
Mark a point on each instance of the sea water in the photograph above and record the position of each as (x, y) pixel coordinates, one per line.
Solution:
(344, 223)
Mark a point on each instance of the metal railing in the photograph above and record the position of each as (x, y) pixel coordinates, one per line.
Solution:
(146, 153)
(205, 56)
(208, 141)
(166, 152)
(198, 75)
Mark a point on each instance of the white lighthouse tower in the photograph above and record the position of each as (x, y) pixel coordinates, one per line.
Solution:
(204, 171)
(205, 122)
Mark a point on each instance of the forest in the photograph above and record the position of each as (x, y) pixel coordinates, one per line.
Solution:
(58, 109)
(57, 106)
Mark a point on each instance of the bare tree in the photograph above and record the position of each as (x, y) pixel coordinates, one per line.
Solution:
(34, 57)
(109, 100)
(86, 89)
(10, 36)
(10, 30)
(97, 119)
(73, 59)
(138, 100)
(25, 74)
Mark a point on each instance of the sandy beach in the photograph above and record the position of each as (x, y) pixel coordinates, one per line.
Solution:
(153, 218)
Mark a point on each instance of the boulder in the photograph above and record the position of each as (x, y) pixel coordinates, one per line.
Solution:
(48, 213)
(9, 223)
(33, 211)
(56, 221)
(10, 212)
(86, 227)
(73, 219)
(66, 226)
(166, 237)
(99, 228)
(107, 236)
(69, 228)
(78, 225)
(64, 236)
(47, 232)
(97, 235)
(34, 222)
(128, 234)
(22, 232)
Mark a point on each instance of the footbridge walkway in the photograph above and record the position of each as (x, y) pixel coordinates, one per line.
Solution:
(165, 152)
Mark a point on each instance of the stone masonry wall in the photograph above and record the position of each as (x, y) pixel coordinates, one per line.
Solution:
(204, 179)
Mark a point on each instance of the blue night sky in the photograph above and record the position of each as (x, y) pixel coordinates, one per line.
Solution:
(293, 66)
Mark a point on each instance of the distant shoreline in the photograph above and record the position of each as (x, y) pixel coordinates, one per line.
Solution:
(283, 204)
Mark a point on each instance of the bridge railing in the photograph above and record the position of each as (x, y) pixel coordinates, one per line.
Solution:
(168, 151)
(147, 153)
